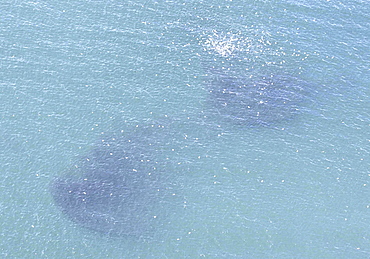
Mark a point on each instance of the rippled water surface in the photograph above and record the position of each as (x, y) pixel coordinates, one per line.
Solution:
(217, 129)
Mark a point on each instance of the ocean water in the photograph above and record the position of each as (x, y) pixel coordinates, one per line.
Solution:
(71, 71)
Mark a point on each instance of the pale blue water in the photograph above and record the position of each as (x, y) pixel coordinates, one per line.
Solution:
(71, 70)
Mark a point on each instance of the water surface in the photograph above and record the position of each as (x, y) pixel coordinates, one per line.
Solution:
(72, 72)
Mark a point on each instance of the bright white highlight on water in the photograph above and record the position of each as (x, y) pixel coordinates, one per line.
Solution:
(228, 44)
(224, 44)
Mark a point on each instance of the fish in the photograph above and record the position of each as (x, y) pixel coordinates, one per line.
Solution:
(116, 188)
(256, 100)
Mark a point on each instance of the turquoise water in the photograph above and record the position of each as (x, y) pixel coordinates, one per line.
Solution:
(75, 69)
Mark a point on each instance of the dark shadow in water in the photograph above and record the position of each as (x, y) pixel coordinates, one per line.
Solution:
(256, 100)
(118, 188)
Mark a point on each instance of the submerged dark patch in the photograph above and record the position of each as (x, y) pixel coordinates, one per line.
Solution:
(256, 100)
(115, 190)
